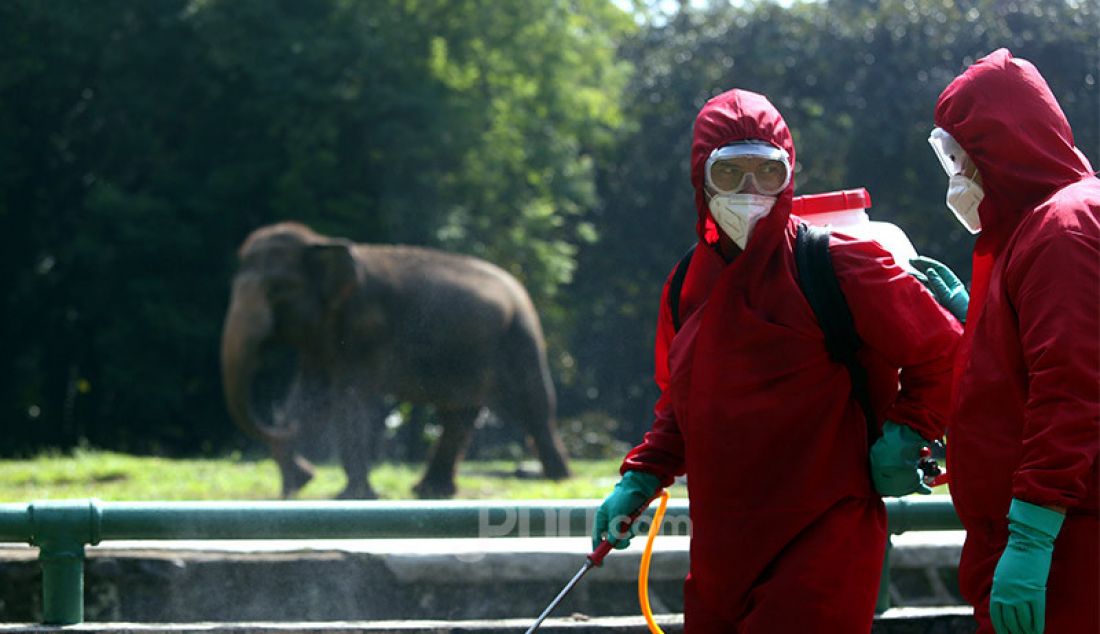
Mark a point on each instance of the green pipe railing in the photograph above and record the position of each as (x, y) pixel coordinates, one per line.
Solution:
(61, 529)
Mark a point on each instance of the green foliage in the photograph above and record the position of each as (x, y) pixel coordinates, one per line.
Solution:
(143, 141)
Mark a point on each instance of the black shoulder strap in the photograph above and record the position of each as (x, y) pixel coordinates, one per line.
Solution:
(676, 285)
(817, 278)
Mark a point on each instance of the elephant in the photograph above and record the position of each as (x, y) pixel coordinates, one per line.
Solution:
(367, 322)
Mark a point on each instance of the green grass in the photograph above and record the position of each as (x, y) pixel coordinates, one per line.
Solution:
(113, 476)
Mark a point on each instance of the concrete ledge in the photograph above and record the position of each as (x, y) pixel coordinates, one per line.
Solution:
(377, 581)
(577, 625)
(949, 620)
(903, 621)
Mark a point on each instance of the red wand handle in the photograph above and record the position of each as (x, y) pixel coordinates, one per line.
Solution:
(596, 556)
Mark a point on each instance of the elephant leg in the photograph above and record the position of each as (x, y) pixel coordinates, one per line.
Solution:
(550, 451)
(411, 444)
(527, 397)
(359, 423)
(439, 479)
(296, 471)
(530, 402)
(295, 468)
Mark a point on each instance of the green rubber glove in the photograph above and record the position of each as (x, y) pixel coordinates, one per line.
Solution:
(894, 459)
(633, 492)
(1018, 600)
(946, 287)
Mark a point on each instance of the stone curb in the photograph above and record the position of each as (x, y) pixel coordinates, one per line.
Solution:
(900, 621)
(383, 580)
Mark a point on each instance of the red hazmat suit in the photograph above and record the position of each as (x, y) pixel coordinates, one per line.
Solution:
(1025, 420)
(787, 529)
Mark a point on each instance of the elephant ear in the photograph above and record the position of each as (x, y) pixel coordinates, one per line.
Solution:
(331, 267)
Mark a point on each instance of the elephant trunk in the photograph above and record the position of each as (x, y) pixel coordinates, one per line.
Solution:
(247, 325)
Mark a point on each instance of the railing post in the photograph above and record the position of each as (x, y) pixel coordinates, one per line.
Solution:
(907, 514)
(60, 530)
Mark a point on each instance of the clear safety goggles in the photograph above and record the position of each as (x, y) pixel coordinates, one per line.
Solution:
(729, 168)
(950, 154)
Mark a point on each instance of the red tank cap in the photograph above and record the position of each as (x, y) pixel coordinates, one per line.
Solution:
(811, 204)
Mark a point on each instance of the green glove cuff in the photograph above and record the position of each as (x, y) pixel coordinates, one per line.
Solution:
(1034, 522)
(640, 481)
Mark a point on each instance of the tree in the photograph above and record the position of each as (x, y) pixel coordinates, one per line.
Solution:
(143, 141)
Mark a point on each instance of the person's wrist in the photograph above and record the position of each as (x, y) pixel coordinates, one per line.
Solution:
(1042, 522)
(912, 436)
(641, 481)
(907, 438)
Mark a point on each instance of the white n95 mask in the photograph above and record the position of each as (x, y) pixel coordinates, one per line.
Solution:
(737, 214)
(964, 194)
(963, 197)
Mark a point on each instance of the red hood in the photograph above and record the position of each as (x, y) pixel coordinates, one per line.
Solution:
(737, 115)
(1002, 112)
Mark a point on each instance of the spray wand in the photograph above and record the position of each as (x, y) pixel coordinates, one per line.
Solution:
(596, 557)
(593, 559)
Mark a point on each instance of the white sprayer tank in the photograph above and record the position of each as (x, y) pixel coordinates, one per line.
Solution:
(845, 212)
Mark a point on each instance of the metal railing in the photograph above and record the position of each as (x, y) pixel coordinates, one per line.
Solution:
(61, 529)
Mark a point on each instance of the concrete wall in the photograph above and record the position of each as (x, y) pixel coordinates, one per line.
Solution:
(376, 580)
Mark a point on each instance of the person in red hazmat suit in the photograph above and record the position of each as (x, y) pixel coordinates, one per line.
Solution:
(788, 530)
(1024, 431)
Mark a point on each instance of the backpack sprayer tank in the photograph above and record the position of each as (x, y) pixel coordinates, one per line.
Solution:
(845, 212)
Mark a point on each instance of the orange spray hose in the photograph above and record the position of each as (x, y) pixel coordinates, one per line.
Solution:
(643, 570)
